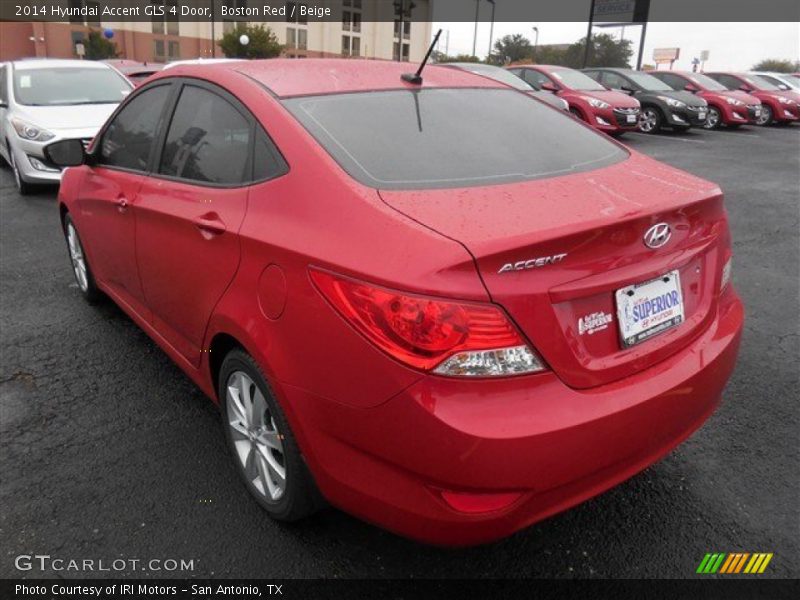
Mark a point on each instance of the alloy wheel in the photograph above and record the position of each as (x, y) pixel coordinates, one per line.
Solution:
(712, 119)
(766, 115)
(255, 436)
(76, 255)
(648, 120)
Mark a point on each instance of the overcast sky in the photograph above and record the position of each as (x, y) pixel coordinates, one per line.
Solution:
(734, 46)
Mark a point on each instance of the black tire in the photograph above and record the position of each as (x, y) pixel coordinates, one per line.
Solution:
(767, 117)
(650, 120)
(23, 187)
(87, 288)
(300, 497)
(577, 114)
(713, 118)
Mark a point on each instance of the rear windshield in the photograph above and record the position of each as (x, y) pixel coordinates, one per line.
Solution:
(447, 138)
(497, 74)
(64, 86)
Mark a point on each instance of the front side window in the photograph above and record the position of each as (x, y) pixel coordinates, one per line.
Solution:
(535, 78)
(128, 140)
(208, 140)
(614, 81)
(449, 138)
(67, 86)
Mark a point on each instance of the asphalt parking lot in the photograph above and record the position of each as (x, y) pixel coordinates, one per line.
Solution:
(107, 450)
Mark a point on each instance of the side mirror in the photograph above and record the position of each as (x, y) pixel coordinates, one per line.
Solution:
(549, 87)
(66, 153)
(628, 90)
(690, 87)
(783, 87)
(3, 104)
(745, 88)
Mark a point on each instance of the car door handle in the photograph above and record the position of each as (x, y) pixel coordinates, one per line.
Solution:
(122, 204)
(210, 223)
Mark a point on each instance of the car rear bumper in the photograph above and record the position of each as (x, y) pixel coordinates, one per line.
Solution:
(530, 446)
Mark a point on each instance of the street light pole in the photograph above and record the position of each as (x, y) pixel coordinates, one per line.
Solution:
(588, 37)
(491, 29)
(213, 30)
(535, 42)
(475, 35)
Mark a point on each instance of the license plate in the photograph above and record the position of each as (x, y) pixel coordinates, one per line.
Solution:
(701, 115)
(631, 118)
(758, 112)
(649, 308)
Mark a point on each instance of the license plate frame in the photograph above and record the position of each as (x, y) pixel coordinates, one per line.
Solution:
(638, 322)
(631, 119)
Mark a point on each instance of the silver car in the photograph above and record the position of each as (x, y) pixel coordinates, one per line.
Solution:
(42, 101)
(510, 79)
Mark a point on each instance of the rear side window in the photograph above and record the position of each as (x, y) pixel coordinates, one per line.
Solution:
(208, 140)
(268, 162)
(128, 140)
(447, 138)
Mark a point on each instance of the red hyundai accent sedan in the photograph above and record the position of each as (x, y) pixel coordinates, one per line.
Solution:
(445, 307)
(609, 111)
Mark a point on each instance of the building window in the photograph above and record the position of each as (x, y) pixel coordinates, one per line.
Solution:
(158, 21)
(302, 39)
(351, 46)
(353, 3)
(406, 29)
(346, 18)
(405, 51)
(174, 50)
(291, 37)
(76, 5)
(293, 14)
(158, 50)
(94, 20)
(77, 38)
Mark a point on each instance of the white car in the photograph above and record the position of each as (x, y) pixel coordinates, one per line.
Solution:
(44, 100)
(785, 81)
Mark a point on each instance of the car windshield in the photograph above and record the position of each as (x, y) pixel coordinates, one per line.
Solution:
(648, 82)
(497, 74)
(707, 83)
(759, 83)
(791, 80)
(577, 81)
(449, 138)
(62, 86)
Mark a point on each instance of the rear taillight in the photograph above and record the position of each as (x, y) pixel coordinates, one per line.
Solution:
(447, 338)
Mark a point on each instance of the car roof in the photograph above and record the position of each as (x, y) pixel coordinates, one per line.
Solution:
(285, 77)
(50, 63)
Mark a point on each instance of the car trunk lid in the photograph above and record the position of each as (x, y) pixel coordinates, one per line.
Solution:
(554, 252)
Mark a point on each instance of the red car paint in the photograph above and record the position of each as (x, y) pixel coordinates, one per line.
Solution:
(783, 112)
(730, 114)
(611, 119)
(447, 460)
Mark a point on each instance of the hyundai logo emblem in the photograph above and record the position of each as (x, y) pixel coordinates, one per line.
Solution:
(657, 235)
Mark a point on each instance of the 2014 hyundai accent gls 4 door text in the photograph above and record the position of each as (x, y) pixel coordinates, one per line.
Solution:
(442, 306)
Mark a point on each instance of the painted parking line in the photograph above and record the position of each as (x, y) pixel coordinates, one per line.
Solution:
(668, 137)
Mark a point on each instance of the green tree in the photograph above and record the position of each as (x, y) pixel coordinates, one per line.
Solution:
(263, 42)
(604, 51)
(98, 47)
(513, 48)
(441, 57)
(778, 65)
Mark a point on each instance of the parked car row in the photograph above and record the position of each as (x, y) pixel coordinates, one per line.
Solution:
(676, 99)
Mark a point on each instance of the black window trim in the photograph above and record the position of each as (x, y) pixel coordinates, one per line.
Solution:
(95, 155)
(165, 120)
(155, 159)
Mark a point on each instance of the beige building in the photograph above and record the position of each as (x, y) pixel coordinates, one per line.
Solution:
(366, 30)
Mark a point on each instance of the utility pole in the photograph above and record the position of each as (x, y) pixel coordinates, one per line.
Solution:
(213, 30)
(475, 36)
(491, 29)
(641, 47)
(588, 37)
(535, 42)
